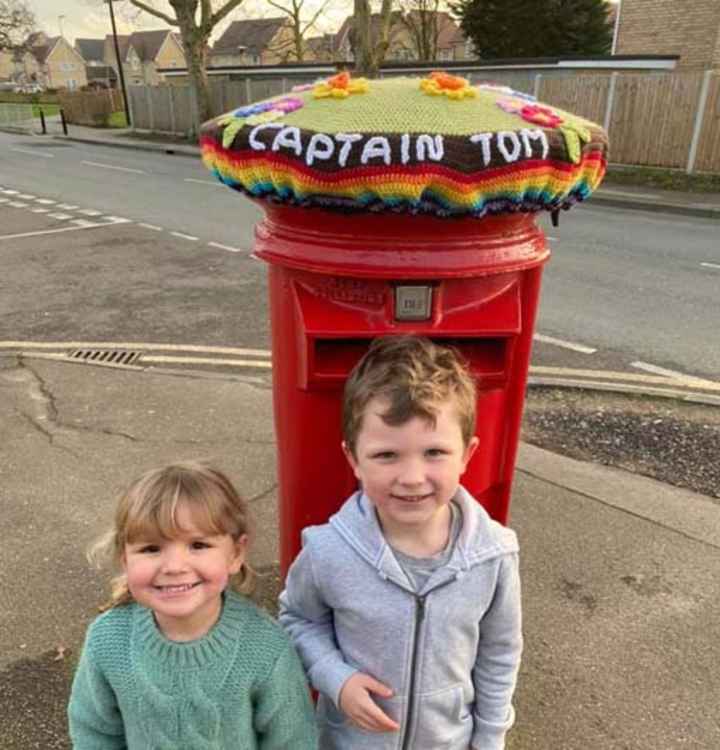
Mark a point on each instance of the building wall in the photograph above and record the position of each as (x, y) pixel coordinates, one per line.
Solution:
(64, 68)
(689, 28)
(281, 48)
(171, 54)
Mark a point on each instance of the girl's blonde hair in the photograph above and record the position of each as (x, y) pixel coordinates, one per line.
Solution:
(148, 508)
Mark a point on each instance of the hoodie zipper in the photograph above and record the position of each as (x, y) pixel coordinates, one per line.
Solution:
(419, 619)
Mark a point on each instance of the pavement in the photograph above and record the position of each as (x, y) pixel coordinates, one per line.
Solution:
(701, 205)
(621, 574)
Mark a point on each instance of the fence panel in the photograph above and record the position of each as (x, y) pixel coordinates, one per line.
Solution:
(17, 116)
(582, 95)
(652, 119)
(89, 107)
(708, 154)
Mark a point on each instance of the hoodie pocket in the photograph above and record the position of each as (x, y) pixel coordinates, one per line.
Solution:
(444, 720)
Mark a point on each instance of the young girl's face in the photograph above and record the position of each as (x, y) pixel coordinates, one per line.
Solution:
(182, 578)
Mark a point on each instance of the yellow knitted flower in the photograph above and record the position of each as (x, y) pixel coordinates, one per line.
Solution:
(443, 84)
(340, 86)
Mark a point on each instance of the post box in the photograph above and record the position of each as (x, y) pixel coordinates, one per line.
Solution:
(371, 235)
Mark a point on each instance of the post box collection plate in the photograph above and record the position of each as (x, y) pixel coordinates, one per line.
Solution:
(413, 302)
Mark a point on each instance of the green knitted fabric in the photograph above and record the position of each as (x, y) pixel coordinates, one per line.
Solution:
(240, 687)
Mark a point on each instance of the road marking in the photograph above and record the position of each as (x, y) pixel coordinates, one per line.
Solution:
(11, 192)
(633, 377)
(116, 219)
(135, 345)
(112, 166)
(18, 204)
(564, 344)
(225, 247)
(711, 265)
(60, 216)
(31, 153)
(27, 197)
(89, 212)
(41, 210)
(49, 231)
(85, 223)
(624, 193)
(150, 226)
(204, 182)
(673, 374)
(164, 359)
(46, 201)
(4, 200)
(184, 236)
(67, 206)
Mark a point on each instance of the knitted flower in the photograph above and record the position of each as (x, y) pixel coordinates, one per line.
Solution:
(575, 135)
(340, 86)
(454, 87)
(540, 115)
(510, 104)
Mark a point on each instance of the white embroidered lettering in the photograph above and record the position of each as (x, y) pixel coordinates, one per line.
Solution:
(405, 148)
(513, 155)
(377, 147)
(254, 143)
(288, 137)
(432, 144)
(484, 140)
(347, 140)
(534, 135)
(321, 146)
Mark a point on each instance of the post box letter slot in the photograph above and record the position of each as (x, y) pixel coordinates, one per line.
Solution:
(332, 359)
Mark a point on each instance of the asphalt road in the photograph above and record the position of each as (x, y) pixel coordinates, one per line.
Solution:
(624, 290)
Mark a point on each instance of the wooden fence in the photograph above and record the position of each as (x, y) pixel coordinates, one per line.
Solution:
(90, 107)
(659, 119)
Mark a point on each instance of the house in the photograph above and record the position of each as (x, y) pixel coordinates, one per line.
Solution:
(99, 74)
(143, 53)
(51, 62)
(667, 27)
(406, 31)
(320, 48)
(256, 41)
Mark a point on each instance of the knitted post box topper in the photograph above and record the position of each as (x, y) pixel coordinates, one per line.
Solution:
(433, 145)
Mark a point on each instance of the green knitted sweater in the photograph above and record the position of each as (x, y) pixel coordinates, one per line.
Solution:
(240, 687)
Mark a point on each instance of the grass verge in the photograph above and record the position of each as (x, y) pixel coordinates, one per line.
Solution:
(665, 179)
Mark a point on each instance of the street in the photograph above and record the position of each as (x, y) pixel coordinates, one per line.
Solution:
(624, 291)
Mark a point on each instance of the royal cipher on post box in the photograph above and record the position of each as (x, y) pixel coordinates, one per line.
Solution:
(393, 206)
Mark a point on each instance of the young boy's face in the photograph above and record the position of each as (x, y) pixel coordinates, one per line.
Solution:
(410, 472)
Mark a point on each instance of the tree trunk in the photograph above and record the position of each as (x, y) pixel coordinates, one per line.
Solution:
(196, 59)
(369, 52)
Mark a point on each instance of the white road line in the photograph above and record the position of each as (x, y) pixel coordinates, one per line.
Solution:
(11, 192)
(4, 200)
(67, 206)
(27, 197)
(631, 377)
(112, 166)
(89, 212)
(184, 236)
(116, 219)
(204, 182)
(60, 216)
(140, 346)
(85, 223)
(49, 231)
(46, 201)
(225, 247)
(551, 239)
(31, 153)
(150, 226)
(164, 359)
(711, 265)
(674, 374)
(564, 344)
(18, 204)
(41, 210)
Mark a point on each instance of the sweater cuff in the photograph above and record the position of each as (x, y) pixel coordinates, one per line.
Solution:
(490, 735)
(330, 680)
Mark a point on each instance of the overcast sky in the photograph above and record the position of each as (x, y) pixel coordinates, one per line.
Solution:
(91, 19)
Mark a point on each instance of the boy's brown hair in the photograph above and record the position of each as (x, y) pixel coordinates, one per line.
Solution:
(413, 375)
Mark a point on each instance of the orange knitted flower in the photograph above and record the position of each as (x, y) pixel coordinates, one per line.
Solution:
(440, 83)
(340, 86)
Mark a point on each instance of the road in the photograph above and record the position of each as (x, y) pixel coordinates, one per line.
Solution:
(624, 290)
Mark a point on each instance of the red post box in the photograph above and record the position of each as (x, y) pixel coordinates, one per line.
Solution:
(377, 224)
(474, 285)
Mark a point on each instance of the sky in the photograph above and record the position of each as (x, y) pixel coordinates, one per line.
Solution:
(91, 18)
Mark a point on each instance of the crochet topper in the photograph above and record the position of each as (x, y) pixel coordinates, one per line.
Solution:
(435, 145)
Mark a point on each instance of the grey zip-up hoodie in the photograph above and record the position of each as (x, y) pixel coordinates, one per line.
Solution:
(450, 652)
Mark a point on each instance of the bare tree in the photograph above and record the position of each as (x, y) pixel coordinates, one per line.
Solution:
(301, 24)
(195, 20)
(369, 44)
(422, 21)
(17, 22)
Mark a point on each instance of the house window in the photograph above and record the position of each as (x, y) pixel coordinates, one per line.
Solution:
(445, 54)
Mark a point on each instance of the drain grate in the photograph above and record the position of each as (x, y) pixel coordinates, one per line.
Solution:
(105, 356)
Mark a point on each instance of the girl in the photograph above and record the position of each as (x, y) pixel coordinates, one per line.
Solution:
(180, 660)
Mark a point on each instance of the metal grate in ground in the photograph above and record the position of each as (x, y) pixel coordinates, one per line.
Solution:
(105, 356)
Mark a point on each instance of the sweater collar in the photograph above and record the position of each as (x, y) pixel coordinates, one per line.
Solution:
(216, 645)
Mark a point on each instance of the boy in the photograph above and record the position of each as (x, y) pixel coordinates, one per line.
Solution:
(405, 606)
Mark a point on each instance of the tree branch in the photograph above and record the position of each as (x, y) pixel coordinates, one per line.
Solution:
(222, 12)
(154, 12)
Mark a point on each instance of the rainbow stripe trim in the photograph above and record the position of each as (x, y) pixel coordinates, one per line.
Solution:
(531, 185)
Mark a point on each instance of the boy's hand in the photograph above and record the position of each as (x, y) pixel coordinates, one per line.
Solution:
(356, 702)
